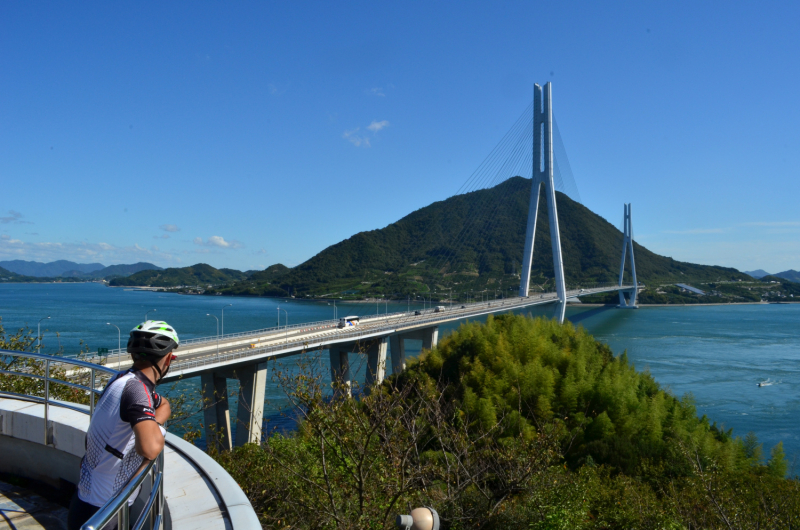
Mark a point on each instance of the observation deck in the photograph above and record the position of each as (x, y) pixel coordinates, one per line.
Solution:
(45, 441)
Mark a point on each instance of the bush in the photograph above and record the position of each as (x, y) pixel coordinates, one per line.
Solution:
(515, 423)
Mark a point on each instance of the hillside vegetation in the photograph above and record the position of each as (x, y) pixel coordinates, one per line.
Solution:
(427, 251)
(516, 423)
(200, 275)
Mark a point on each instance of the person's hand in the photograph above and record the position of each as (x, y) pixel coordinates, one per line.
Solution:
(163, 411)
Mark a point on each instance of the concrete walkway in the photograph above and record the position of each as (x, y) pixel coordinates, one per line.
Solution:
(21, 509)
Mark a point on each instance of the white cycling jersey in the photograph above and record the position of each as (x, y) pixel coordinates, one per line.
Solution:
(111, 459)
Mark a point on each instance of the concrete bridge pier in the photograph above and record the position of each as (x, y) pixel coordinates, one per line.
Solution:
(398, 346)
(376, 362)
(428, 336)
(628, 299)
(340, 370)
(250, 411)
(216, 415)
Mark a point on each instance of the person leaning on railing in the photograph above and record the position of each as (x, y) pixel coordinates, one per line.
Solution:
(126, 431)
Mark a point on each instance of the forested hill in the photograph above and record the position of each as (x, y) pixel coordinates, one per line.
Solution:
(427, 251)
(196, 275)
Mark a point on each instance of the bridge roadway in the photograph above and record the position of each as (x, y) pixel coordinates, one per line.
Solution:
(243, 356)
(199, 355)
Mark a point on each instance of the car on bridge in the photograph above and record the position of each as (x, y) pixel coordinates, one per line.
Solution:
(439, 309)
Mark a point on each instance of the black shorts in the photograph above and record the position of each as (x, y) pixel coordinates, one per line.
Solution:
(80, 512)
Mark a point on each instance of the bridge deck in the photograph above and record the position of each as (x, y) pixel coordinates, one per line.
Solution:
(200, 356)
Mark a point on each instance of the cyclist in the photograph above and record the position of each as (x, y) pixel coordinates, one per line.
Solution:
(126, 431)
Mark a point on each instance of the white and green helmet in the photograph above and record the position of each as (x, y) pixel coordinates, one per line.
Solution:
(153, 338)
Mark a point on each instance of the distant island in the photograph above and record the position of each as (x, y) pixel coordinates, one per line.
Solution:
(20, 271)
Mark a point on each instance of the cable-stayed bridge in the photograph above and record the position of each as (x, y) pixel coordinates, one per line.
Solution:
(244, 356)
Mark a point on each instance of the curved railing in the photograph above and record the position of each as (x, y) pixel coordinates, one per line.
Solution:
(117, 507)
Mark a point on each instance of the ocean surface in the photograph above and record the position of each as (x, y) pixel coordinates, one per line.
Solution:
(716, 353)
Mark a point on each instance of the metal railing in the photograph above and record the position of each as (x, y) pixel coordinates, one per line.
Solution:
(117, 508)
(407, 319)
(152, 515)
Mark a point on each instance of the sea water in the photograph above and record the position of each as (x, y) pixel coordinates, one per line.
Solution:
(716, 353)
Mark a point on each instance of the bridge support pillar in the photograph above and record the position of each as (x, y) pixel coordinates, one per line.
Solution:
(250, 411)
(376, 362)
(216, 415)
(398, 344)
(543, 176)
(430, 337)
(340, 372)
(627, 299)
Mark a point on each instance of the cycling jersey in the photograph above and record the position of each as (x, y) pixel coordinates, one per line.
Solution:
(111, 459)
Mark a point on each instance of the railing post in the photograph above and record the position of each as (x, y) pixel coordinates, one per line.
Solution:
(91, 397)
(46, 400)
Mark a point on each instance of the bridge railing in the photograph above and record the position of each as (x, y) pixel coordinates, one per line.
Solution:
(18, 366)
(333, 323)
(243, 334)
(429, 316)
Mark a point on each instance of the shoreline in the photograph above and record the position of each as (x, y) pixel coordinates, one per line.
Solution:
(692, 305)
(373, 301)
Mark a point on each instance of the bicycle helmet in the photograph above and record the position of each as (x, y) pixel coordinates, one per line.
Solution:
(152, 339)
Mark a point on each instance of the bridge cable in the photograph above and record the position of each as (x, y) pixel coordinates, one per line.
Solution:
(513, 165)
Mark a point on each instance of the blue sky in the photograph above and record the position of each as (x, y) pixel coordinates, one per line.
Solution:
(250, 133)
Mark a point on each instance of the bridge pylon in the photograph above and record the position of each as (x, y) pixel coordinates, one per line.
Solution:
(543, 176)
(627, 299)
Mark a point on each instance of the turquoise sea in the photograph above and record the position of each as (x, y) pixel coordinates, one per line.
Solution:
(716, 353)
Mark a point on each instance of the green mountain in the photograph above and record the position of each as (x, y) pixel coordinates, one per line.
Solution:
(428, 251)
(49, 270)
(200, 275)
(7, 274)
(124, 270)
(791, 275)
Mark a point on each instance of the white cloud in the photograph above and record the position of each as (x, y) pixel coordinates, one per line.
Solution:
(359, 140)
(376, 126)
(356, 139)
(81, 252)
(14, 217)
(376, 92)
(217, 241)
(169, 228)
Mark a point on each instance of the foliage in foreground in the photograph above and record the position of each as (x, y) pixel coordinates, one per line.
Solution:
(517, 423)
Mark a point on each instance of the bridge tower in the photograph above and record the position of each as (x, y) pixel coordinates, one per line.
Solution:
(627, 299)
(543, 176)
